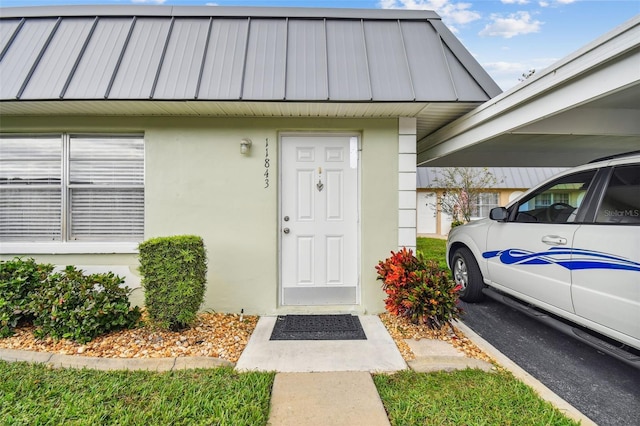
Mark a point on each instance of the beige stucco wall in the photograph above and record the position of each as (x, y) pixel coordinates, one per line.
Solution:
(197, 182)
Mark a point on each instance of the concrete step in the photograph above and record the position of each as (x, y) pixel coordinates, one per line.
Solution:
(437, 355)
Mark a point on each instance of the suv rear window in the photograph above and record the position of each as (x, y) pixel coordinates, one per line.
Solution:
(621, 200)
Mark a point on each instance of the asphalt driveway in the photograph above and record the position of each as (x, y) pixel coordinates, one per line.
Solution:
(601, 387)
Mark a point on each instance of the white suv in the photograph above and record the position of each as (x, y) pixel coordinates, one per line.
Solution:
(570, 247)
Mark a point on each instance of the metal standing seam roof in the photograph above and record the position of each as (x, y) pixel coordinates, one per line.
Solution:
(216, 53)
(507, 177)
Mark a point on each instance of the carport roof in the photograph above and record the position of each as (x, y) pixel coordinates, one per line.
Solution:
(236, 61)
(507, 177)
(583, 107)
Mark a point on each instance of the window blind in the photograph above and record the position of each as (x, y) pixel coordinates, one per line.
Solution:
(30, 214)
(67, 187)
(106, 187)
(31, 189)
(106, 214)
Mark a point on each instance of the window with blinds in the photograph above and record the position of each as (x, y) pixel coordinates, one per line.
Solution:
(483, 204)
(31, 189)
(72, 188)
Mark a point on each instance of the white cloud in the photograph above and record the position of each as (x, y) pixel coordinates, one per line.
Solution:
(505, 74)
(387, 4)
(453, 13)
(148, 1)
(515, 1)
(504, 67)
(554, 3)
(508, 74)
(512, 25)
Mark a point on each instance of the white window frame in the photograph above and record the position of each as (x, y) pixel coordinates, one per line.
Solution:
(554, 197)
(66, 245)
(480, 203)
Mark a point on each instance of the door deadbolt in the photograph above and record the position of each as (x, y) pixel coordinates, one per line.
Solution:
(285, 230)
(286, 218)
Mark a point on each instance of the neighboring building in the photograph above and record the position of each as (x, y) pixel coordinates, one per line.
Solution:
(511, 182)
(286, 138)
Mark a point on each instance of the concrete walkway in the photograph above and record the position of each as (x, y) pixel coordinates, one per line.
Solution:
(321, 382)
(378, 353)
(328, 382)
(325, 399)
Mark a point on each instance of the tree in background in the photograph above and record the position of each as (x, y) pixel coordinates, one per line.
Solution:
(526, 75)
(462, 186)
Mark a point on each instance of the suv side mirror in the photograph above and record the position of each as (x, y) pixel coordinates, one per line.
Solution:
(499, 214)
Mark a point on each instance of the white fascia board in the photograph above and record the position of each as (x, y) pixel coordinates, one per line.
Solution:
(593, 59)
(590, 86)
(588, 121)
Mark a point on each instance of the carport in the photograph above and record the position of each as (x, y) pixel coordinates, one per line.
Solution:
(585, 106)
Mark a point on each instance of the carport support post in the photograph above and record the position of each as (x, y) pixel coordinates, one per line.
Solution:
(407, 160)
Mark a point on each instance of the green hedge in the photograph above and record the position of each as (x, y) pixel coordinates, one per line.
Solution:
(72, 305)
(67, 304)
(174, 271)
(18, 279)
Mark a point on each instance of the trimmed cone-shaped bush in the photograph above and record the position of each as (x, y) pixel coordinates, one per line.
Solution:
(174, 271)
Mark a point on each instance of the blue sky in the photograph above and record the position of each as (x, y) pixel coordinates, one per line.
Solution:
(507, 37)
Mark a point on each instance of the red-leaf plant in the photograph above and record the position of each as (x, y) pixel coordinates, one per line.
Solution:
(418, 289)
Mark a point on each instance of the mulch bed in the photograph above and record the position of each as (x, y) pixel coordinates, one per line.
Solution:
(217, 335)
(213, 334)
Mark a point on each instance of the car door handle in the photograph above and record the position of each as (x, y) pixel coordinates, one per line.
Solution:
(554, 240)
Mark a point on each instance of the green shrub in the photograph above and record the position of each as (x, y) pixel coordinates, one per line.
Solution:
(71, 305)
(174, 278)
(456, 222)
(18, 279)
(418, 289)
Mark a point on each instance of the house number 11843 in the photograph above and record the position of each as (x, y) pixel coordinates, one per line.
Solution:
(266, 163)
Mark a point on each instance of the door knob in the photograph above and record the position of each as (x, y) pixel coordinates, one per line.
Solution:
(285, 230)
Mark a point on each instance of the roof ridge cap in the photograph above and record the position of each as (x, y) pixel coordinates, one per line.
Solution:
(216, 11)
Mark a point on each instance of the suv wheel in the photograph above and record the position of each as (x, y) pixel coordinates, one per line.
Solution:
(466, 273)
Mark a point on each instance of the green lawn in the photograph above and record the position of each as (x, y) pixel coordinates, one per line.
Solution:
(468, 397)
(433, 249)
(32, 394)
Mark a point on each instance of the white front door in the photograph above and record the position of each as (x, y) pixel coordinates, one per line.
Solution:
(319, 220)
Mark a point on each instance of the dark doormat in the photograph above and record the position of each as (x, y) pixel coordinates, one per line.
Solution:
(318, 327)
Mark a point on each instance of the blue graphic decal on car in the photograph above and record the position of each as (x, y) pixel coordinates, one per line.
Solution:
(572, 259)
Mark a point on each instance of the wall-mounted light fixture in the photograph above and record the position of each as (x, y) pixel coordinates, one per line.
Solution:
(245, 145)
